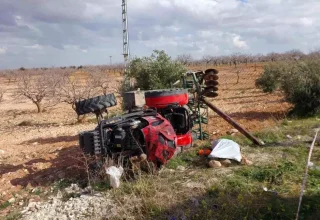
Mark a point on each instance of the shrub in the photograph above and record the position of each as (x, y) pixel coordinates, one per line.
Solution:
(269, 80)
(300, 82)
(158, 71)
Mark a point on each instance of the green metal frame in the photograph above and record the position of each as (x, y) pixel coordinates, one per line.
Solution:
(194, 104)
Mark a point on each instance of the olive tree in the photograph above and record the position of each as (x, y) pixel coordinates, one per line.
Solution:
(158, 71)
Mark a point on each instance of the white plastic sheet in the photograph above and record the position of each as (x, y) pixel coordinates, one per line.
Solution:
(115, 174)
(226, 149)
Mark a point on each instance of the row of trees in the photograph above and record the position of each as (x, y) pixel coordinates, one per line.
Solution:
(239, 58)
(47, 88)
(209, 60)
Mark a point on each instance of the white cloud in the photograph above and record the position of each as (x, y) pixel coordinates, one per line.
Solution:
(3, 51)
(239, 43)
(79, 32)
(35, 47)
(306, 21)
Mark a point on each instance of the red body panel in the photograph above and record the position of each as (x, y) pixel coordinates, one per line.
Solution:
(164, 101)
(184, 140)
(159, 151)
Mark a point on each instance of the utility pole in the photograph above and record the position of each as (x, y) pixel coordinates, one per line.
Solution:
(110, 60)
(126, 50)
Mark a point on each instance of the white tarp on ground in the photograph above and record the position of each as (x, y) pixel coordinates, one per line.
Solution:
(226, 149)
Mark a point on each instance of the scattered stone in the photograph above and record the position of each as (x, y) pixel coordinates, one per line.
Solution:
(181, 168)
(310, 164)
(26, 171)
(226, 162)
(2, 152)
(73, 189)
(289, 136)
(216, 132)
(245, 161)
(21, 203)
(12, 200)
(35, 143)
(59, 195)
(232, 131)
(214, 164)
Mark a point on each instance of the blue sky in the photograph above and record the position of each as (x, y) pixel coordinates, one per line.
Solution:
(35, 33)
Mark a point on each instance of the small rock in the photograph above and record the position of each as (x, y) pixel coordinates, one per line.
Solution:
(21, 203)
(35, 143)
(232, 131)
(245, 161)
(289, 136)
(12, 200)
(26, 171)
(2, 151)
(59, 195)
(214, 164)
(74, 188)
(226, 162)
(181, 168)
(310, 164)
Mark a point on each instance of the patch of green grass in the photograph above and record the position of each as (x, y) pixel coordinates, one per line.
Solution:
(37, 192)
(4, 205)
(189, 157)
(273, 174)
(62, 184)
(101, 186)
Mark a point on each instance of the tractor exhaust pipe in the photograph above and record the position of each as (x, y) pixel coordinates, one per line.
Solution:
(231, 121)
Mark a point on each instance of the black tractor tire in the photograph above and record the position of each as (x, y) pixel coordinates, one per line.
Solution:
(96, 104)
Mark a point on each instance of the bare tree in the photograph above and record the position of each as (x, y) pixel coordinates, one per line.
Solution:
(102, 81)
(74, 88)
(207, 59)
(185, 59)
(1, 94)
(235, 58)
(39, 88)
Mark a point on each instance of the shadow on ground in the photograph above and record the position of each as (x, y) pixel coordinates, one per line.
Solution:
(217, 204)
(67, 164)
(52, 140)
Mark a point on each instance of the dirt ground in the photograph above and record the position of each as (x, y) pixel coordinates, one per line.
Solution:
(37, 150)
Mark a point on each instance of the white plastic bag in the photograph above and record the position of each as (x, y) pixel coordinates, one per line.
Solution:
(226, 149)
(115, 174)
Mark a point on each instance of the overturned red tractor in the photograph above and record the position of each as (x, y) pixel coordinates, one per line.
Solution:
(159, 123)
